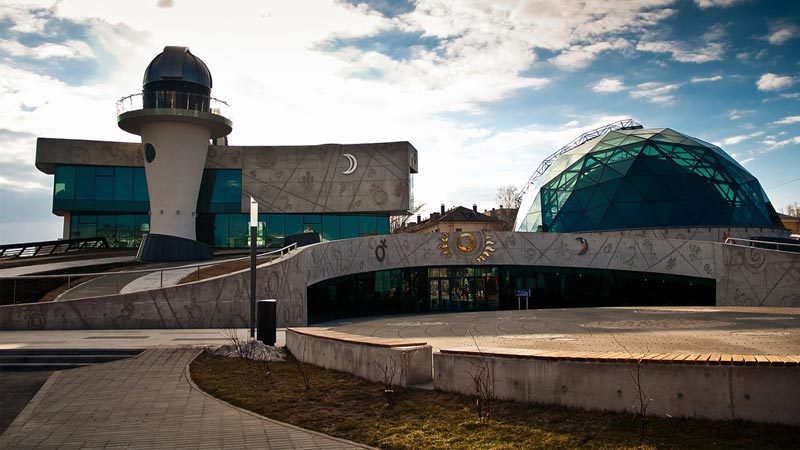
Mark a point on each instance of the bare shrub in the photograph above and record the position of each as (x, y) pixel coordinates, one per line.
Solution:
(643, 401)
(483, 382)
(392, 374)
(240, 345)
(302, 369)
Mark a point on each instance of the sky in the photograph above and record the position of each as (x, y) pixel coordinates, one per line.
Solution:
(484, 90)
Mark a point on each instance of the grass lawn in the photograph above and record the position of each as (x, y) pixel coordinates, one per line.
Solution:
(342, 405)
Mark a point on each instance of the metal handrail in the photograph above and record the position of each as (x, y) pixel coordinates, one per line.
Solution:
(625, 124)
(69, 277)
(287, 248)
(735, 241)
(174, 100)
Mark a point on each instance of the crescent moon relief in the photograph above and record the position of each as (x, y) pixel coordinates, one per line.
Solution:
(353, 163)
(584, 246)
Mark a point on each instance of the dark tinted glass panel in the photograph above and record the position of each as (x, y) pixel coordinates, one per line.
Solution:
(382, 225)
(140, 185)
(221, 231)
(104, 186)
(84, 183)
(294, 224)
(349, 227)
(421, 290)
(239, 230)
(331, 227)
(64, 183)
(123, 183)
(367, 225)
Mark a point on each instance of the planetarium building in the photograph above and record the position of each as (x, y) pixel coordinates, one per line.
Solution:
(622, 215)
(636, 178)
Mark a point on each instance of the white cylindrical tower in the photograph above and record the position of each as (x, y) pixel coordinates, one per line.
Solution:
(176, 118)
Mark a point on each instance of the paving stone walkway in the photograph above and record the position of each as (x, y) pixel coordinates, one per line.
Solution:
(146, 402)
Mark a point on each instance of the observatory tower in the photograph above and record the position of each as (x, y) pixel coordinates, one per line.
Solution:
(176, 118)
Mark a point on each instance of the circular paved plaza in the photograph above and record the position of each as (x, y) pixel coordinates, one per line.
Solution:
(742, 331)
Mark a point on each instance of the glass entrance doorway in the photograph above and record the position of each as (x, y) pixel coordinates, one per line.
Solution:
(463, 288)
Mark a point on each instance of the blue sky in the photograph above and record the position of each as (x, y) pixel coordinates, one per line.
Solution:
(484, 90)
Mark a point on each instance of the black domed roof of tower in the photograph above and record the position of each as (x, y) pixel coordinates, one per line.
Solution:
(177, 64)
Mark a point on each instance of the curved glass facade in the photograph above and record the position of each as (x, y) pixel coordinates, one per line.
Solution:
(645, 178)
(488, 288)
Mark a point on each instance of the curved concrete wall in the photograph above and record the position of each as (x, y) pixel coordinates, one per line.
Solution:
(745, 276)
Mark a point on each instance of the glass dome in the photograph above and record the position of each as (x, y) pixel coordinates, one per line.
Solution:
(644, 178)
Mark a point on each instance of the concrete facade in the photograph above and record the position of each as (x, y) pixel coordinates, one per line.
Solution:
(175, 174)
(284, 179)
(744, 276)
(394, 362)
(720, 392)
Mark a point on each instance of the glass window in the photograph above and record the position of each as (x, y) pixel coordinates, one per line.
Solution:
(276, 230)
(239, 230)
(233, 187)
(84, 183)
(331, 227)
(221, 230)
(107, 228)
(103, 185)
(349, 227)
(140, 185)
(367, 225)
(64, 183)
(294, 224)
(123, 183)
(383, 224)
(312, 218)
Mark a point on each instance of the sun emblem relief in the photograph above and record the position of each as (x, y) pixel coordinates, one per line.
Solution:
(467, 245)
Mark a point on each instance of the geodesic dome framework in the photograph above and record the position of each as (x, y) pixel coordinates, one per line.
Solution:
(645, 178)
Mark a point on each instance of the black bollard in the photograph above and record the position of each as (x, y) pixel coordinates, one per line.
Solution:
(266, 315)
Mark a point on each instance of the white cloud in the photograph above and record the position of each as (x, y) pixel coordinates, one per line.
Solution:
(782, 32)
(706, 49)
(793, 95)
(788, 120)
(736, 114)
(773, 82)
(67, 49)
(22, 185)
(681, 52)
(706, 79)
(738, 139)
(703, 4)
(773, 144)
(580, 56)
(609, 85)
(655, 92)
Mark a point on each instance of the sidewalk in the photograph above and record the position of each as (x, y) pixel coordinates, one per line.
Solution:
(135, 339)
(143, 402)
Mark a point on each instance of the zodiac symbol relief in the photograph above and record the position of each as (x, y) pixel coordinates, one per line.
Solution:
(34, 319)
(380, 251)
(125, 313)
(195, 314)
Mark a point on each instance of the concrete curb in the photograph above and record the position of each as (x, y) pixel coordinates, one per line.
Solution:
(188, 376)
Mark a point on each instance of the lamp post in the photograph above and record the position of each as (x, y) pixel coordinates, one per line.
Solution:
(253, 239)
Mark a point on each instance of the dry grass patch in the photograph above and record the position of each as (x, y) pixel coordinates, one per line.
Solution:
(349, 407)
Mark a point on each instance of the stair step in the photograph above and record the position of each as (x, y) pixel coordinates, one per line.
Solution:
(21, 359)
(19, 367)
(60, 358)
(70, 351)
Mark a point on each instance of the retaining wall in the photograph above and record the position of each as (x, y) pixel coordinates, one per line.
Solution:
(760, 391)
(745, 276)
(390, 361)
